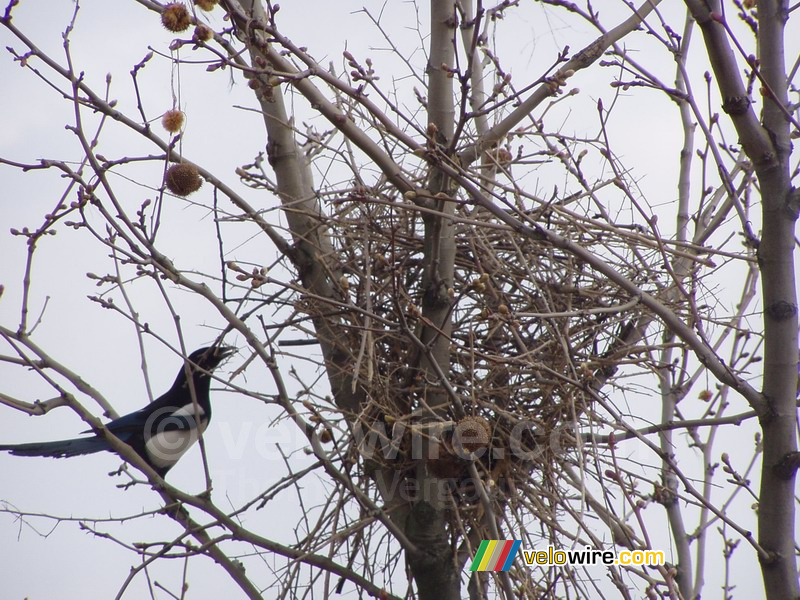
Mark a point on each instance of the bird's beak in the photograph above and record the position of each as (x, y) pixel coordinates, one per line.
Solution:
(225, 351)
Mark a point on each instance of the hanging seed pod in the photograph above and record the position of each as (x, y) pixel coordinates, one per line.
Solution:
(175, 17)
(183, 179)
(473, 433)
(202, 33)
(173, 120)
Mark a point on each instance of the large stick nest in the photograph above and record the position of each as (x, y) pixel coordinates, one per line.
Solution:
(535, 332)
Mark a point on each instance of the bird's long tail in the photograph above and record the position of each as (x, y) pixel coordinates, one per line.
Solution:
(62, 448)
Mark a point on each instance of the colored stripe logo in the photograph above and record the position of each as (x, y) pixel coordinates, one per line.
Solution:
(495, 555)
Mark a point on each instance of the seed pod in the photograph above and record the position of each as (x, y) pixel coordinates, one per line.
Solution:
(202, 33)
(173, 120)
(473, 433)
(183, 179)
(175, 17)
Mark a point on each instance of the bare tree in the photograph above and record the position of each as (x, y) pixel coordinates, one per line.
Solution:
(483, 321)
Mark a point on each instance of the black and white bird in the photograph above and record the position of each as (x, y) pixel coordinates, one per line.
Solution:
(162, 431)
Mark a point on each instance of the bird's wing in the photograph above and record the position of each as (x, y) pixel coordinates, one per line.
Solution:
(157, 417)
(134, 421)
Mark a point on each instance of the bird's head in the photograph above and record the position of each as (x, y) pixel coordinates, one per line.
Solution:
(200, 364)
(210, 357)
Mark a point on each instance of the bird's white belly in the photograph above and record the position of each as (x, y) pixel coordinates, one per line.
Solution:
(165, 448)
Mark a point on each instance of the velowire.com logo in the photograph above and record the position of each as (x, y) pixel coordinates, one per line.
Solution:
(499, 555)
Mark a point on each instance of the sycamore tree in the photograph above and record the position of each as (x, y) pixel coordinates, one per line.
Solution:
(509, 270)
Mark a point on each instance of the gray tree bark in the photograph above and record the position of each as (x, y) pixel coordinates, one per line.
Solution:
(767, 145)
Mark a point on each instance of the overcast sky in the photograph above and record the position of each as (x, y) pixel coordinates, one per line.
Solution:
(43, 558)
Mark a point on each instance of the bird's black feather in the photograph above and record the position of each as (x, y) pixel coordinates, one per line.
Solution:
(161, 431)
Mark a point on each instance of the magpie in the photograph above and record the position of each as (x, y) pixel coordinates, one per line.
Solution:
(162, 431)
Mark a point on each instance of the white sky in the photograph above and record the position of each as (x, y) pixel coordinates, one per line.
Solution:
(42, 559)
